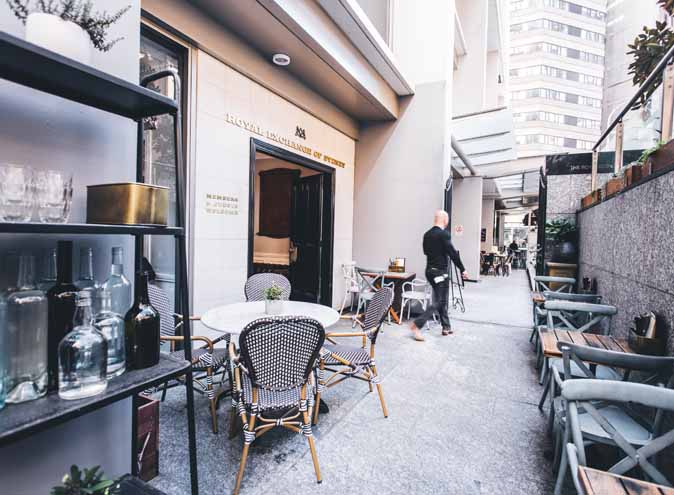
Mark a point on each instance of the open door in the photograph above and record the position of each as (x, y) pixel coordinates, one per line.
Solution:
(306, 234)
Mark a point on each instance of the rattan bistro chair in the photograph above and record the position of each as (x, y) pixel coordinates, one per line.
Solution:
(207, 361)
(258, 283)
(344, 361)
(273, 379)
(591, 420)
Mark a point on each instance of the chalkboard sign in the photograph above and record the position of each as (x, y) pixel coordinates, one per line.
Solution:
(581, 163)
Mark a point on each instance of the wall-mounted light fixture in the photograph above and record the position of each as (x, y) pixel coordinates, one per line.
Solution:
(281, 59)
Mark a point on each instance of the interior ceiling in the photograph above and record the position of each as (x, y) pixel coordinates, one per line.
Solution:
(265, 33)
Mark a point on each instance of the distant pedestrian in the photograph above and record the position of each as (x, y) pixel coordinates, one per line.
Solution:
(513, 247)
(437, 248)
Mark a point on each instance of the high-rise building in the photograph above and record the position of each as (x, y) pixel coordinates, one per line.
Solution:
(557, 57)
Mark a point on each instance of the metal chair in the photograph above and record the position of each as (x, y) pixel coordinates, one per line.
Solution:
(543, 283)
(574, 317)
(416, 290)
(351, 284)
(606, 365)
(600, 411)
(368, 288)
(258, 283)
(540, 314)
(207, 361)
(345, 361)
(272, 377)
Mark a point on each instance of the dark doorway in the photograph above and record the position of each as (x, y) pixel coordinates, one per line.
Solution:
(291, 220)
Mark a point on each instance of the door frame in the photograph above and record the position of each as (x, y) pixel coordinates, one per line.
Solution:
(256, 145)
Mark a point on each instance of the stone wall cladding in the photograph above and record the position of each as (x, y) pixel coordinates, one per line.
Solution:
(627, 244)
(565, 193)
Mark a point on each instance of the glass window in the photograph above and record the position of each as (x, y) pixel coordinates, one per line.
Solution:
(160, 157)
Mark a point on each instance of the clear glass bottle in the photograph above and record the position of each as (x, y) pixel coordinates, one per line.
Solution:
(48, 279)
(83, 355)
(117, 284)
(26, 337)
(111, 325)
(86, 279)
(142, 329)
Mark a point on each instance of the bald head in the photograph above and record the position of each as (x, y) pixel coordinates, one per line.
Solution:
(441, 219)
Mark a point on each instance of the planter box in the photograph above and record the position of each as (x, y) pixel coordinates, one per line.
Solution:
(148, 438)
(613, 186)
(661, 159)
(591, 199)
(633, 174)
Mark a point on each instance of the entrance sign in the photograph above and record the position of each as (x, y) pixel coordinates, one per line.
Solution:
(581, 163)
(279, 138)
(222, 204)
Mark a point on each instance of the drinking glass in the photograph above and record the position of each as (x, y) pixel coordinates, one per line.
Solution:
(54, 193)
(16, 193)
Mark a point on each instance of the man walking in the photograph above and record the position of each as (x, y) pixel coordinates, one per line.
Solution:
(437, 247)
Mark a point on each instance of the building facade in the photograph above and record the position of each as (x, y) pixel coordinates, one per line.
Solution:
(557, 58)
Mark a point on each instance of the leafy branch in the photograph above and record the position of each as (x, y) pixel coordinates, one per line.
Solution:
(90, 482)
(560, 230)
(78, 11)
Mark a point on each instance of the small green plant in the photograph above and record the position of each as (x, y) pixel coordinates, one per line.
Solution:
(560, 230)
(78, 11)
(648, 49)
(273, 293)
(90, 482)
(647, 153)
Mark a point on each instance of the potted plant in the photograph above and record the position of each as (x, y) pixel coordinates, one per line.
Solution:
(67, 27)
(273, 304)
(613, 186)
(591, 199)
(633, 173)
(563, 234)
(657, 158)
(90, 482)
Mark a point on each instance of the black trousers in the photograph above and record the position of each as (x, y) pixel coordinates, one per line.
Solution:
(440, 304)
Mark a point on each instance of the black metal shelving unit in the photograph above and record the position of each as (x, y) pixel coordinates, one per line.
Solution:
(35, 67)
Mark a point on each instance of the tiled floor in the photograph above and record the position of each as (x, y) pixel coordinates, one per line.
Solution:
(462, 418)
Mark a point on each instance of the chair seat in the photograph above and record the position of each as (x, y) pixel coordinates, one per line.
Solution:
(633, 432)
(417, 295)
(602, 372)
(355, 355)
(219, 358)
(273, 399)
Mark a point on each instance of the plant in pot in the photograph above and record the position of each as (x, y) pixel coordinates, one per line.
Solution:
(273, 304)
(648, 48)
(88, 482)
(563, 234)
(613, 186)
(67, 27)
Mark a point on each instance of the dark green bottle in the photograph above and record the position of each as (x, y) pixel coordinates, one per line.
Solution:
(141, 328)
(61, 303)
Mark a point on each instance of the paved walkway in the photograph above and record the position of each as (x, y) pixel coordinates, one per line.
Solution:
(462, 418)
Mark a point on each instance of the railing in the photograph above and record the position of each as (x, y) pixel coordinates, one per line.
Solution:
(666, 68)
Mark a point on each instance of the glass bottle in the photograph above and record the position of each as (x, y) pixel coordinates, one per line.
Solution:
(86, 279)
(3, 347)
(61, 300)
(111, 325)
(49, 270)
(83, 355)
(117, 284)
(26, 337)
(142, 328)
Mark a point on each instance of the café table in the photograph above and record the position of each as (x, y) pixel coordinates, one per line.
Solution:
(597, 482)
(549, 339)
(398, 279)
(232, 318)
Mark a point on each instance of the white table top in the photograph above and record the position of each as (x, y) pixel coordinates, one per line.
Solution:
(232, 318)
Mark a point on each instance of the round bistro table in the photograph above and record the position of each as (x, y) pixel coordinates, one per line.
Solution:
(232, 318)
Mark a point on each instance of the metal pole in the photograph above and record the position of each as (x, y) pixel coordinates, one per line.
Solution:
(595, 167)
(618, 163)
(667, 103)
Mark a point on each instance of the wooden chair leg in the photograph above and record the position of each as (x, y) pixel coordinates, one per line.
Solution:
(381, 393)
(211, 397)
(312, 447)
(244, 456)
